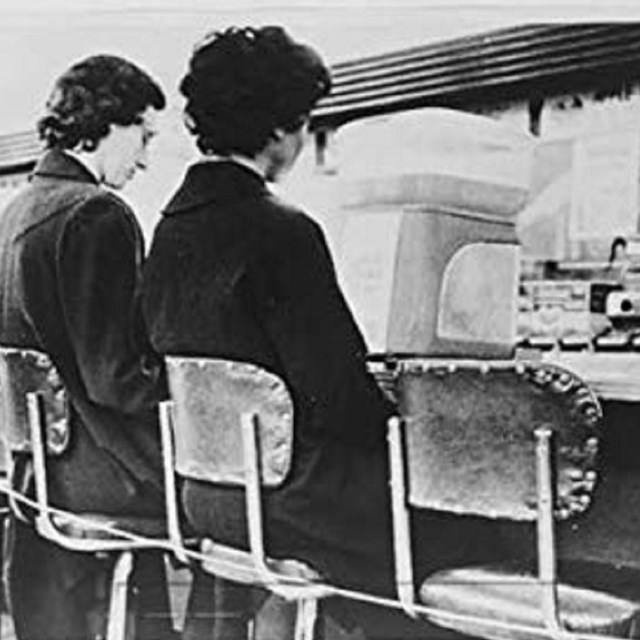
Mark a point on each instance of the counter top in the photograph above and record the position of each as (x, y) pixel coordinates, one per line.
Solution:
(612, 376)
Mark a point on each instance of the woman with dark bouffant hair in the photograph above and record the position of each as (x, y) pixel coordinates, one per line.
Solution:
(93, 95)
(234, 272)
(70, 260)
(244, 84)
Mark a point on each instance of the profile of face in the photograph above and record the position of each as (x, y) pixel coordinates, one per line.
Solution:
(124, 150)
(283, 151)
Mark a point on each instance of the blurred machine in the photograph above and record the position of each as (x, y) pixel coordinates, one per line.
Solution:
(623, 309)
(567, 314)
(583, 306)
(422, 226)
(424, 231)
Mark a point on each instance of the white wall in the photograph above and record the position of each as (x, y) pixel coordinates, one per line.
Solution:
(586, 179)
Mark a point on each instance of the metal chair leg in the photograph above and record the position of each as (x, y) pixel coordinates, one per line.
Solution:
(306, 617)
(117, 623)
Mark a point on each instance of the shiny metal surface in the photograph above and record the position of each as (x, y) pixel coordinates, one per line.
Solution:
(210, 397)
(470, 436)
(25, 371)
(512, 596)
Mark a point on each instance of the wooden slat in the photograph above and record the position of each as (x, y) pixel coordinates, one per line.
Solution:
(513, 61)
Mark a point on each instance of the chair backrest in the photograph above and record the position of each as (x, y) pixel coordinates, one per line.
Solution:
(210, 396)
(24, 371)
(469, 436)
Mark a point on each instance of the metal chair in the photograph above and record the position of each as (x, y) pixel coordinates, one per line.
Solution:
(35, 427)
(232, 423)
(5, 510)
(505, 441)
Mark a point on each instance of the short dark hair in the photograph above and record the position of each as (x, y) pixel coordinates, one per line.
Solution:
(92, 95)
(243, 83)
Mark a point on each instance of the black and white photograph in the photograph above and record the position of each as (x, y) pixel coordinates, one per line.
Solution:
(319, 320)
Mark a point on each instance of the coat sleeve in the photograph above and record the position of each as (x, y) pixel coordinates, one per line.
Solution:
(99, 262)
(317, 340)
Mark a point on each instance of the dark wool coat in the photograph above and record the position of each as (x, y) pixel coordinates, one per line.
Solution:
(70, 258)
(233, 272)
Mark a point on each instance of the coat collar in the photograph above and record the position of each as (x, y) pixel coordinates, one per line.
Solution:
(215, 181)
(55, 163)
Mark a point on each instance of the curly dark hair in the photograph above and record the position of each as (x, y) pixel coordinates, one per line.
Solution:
(243, 83)
(92, 95)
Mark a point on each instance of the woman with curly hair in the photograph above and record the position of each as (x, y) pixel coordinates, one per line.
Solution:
(70, 259)
(234, 272)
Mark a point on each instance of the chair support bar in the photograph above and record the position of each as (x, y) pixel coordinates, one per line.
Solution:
(167, 409)
(252, 484)
(38, 428)
(400, 518)
(547, 570)
(118, 606)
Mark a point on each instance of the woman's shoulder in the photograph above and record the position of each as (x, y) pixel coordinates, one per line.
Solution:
(288, 220)
(102, 211)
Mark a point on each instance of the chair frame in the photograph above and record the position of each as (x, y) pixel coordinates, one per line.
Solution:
(44, 523)
(546, 553)
(171, 490)
(118, 624)
(305, 594)
(254, 567)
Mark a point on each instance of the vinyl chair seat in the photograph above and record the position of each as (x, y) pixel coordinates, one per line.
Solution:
(239, 566)
(232, 424)
(514, 596)
(94, 525)
(35, 419)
